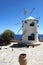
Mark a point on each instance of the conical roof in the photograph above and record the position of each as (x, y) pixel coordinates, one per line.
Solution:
(30, 18)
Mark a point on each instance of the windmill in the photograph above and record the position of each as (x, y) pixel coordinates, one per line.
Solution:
(30, 29)
(25, 12)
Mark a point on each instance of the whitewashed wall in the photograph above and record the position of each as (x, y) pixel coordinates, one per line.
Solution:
(28, 30)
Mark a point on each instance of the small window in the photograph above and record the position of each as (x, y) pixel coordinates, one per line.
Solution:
(31, 37)
(25, 21)
(32, 24)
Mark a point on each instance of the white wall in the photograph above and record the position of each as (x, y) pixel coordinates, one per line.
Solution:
(28, 30)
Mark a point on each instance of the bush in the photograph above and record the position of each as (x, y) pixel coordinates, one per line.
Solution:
(7, 35)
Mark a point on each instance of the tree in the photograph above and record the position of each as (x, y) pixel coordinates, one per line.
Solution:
(7, 35)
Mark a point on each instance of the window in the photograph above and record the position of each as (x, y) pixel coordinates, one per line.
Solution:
(32, 24)
(25, 21)
(32, 37)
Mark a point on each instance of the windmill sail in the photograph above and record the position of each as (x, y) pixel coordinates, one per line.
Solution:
(18, 23)
(31, 11)
(25, 11)
(19, 30)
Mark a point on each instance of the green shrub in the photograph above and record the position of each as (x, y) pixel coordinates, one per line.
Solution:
(7, 35)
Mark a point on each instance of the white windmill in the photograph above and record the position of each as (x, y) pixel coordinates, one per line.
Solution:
(30, 30)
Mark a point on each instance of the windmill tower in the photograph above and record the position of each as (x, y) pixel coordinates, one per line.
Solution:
(30, 30)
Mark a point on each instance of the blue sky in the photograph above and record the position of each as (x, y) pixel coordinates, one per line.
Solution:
(12, 12)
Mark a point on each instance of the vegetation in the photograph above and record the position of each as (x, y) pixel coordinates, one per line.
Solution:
(7, 35)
